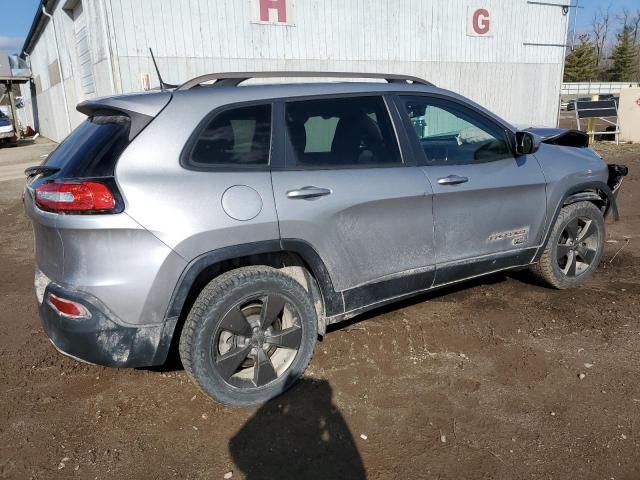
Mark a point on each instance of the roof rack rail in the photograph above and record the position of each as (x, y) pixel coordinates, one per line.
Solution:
(232, 79)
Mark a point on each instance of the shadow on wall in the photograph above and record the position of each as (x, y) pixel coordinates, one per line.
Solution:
(300, 435)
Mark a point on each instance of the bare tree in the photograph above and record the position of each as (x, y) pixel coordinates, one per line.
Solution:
(635, 26)
(600, 25)
(635, 36)
(625, 17)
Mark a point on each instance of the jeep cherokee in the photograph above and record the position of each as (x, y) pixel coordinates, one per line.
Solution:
(238, 221)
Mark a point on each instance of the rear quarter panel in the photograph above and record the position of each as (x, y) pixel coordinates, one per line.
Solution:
(183, 208)
(109, 256)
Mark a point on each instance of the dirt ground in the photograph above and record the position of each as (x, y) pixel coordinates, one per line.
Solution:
(480, 381)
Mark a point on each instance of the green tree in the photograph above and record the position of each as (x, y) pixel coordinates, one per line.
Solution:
(624, 57)
(581, 64)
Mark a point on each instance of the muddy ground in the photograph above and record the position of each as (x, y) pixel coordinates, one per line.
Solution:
(480, 381)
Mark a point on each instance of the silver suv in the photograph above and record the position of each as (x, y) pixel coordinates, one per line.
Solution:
(236, 222)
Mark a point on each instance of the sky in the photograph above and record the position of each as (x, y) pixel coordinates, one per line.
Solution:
(17, 16)
(15, 20)
(591, 7)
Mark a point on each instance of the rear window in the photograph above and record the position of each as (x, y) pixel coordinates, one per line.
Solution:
(93, 148)
(235, 138)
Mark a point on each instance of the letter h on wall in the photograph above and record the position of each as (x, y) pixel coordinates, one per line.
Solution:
(279, 5)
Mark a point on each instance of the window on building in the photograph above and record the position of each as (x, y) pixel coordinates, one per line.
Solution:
(451, 134)
(341, 133)
(234, 138)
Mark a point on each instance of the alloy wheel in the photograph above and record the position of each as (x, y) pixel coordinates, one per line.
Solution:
(577, 247)
(256, 341)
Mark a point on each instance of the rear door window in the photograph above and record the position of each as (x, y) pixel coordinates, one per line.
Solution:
(93, 148)
(341, 133)
(235, 138)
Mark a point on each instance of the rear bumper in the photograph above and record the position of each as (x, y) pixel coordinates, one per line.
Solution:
(103, 339)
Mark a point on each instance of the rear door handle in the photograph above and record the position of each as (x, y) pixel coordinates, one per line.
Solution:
(306, 193)
(452, 180)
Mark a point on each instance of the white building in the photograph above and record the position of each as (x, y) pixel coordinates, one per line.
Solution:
(505, 54)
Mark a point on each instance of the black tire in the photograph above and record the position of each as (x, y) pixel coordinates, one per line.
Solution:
(575, 246)
(213, 325)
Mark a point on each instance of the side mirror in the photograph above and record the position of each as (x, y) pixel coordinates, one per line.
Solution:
(526, 143)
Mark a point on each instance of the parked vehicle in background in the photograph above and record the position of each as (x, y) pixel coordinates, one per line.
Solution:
(240, 222)
(7, 132)
(571, 105)
(610, 96)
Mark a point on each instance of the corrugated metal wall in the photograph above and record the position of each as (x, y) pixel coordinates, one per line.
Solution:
(425, 38)
(50, 107)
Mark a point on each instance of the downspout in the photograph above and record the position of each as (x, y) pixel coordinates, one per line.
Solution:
(107, 42)
(564, 58)
(64, 90)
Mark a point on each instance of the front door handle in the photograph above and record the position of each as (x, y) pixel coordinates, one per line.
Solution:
(309, 192)
(452, 180)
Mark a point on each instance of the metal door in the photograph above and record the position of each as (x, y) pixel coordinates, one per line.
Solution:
(87, 83)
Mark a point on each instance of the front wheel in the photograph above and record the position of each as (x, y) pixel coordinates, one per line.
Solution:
(574, 248)
(249, 336)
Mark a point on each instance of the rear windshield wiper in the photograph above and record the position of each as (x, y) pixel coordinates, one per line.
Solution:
(41, 170)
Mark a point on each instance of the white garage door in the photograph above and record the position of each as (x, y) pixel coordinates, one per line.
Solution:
(87, 84)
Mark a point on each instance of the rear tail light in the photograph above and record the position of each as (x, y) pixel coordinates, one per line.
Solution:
(75, 197)
(68, 308)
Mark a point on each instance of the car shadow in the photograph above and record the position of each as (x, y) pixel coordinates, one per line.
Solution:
(300, 435)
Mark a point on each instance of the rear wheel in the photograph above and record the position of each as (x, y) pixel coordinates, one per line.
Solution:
(249, 336)
(574, 248)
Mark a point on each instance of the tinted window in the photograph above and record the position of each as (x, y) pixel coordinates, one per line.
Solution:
(93, 148)
(451, 134)
(341, 133)
(234, 138)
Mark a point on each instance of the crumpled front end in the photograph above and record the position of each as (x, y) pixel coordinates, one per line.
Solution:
(616, 175)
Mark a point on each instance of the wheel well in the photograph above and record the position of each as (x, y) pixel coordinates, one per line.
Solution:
(592, 195)
(288, 262)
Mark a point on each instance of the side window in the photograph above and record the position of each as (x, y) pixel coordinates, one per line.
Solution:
(235, 138)
(341, 133)
(451, 134)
